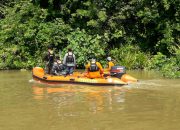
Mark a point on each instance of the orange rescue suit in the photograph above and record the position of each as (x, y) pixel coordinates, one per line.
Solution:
(110, 64)
(94, 74)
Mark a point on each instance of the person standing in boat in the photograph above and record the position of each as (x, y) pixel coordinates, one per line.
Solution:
(94, 69)
(49, 58)
(70, 61)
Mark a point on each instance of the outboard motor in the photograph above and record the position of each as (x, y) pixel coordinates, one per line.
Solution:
(117, 71)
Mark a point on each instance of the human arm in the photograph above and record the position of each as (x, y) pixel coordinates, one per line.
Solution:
(100, 67)
(87, 66)
(64, 60)
(110, 64)
(74, 60)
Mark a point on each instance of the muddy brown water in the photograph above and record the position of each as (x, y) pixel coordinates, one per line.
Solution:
(152, 103)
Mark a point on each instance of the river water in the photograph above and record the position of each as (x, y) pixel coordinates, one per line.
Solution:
(152, 103)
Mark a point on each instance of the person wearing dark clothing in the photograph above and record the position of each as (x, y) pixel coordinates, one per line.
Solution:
(49, 58)
(70, 61)
(58, 67)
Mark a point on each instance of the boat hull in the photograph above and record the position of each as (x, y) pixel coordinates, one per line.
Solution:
(76, 78)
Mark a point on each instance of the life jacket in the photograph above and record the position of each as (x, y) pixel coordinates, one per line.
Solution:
(50, 56)
(110, 64)
(70, 58)
(93, 67)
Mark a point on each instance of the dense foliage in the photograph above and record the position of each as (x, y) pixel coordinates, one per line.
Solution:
(139, 34)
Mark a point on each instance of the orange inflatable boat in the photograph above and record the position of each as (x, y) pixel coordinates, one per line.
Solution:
(117, 76)
(77, 78)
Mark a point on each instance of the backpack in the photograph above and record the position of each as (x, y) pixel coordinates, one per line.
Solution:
(70, 58)
(93, 67)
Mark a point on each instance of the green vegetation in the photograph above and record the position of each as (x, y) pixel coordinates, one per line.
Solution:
(139, 34)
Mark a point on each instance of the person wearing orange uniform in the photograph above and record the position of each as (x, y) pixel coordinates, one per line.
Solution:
(110, 63)
(94, 69)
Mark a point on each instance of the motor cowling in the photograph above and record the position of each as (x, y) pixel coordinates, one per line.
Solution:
(117, 71)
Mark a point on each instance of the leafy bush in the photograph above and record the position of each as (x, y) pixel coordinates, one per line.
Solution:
(140, 28)
(25, 32)
(130, 56)
(157, 61)
(170, 67)
(85, 46)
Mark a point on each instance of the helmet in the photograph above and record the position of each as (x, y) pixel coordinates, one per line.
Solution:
(50, 47)
(93, 60)
(109, 58)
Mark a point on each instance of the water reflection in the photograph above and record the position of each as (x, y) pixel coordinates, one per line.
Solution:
(68, 100)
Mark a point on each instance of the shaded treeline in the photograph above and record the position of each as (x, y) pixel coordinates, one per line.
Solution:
(141, 34)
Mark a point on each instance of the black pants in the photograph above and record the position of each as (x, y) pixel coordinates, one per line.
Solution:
(49, 68)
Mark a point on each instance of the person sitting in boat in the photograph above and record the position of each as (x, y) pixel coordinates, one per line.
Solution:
(108, 67)
(69, 61)
(58, 67)
(94, 69)
(49, 58)
(110, 63)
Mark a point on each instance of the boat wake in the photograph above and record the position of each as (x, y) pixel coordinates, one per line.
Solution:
(146, 84)
(31, 81)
